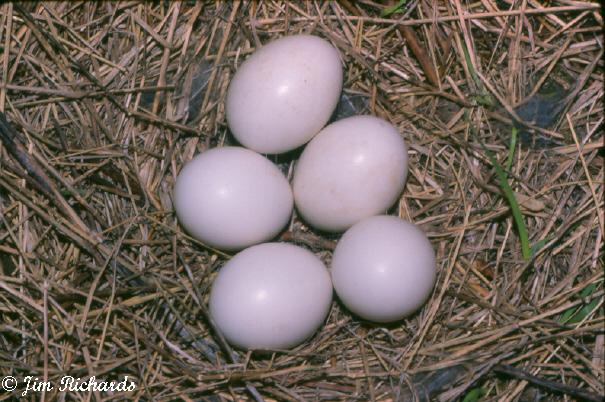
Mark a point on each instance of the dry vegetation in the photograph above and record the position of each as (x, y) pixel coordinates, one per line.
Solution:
(105, 102)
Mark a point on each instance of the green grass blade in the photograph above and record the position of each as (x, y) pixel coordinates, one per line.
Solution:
(473, 395)
(538, 245)
(584, 312)
(484, 98)
(471, 68)
(393, 9)
(511, 149)
(514, 205)
(574, 315)
(567, 314)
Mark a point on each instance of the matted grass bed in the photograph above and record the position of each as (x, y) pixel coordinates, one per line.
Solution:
(500, 102)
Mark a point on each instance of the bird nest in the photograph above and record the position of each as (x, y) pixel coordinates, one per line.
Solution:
(500, 102)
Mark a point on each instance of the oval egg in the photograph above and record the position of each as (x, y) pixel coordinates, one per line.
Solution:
(284, 93)
(271, 296)
(383, 268)
(231, 198)
(354, 168)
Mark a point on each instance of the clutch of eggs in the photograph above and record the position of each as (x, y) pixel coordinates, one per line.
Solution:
(276, 295)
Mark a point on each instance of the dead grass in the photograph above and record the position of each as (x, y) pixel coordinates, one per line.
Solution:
(109, 100)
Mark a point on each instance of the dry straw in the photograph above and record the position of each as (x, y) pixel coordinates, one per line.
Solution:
(105, 102)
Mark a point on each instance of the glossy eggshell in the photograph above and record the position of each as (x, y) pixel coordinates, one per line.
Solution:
(383, 268)
(284, 93)
(231, 198)
(271, 296)
(354, 168)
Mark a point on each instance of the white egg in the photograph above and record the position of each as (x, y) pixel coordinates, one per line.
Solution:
(354, 168)
(383, 268)
(271, 296)
(284, 93)
(231, 198)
